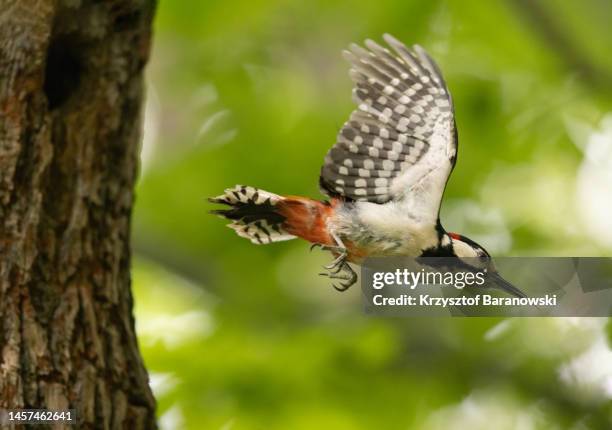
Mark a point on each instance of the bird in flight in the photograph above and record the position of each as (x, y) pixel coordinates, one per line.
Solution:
(384, 176)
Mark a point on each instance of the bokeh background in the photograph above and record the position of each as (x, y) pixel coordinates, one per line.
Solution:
(238, 336)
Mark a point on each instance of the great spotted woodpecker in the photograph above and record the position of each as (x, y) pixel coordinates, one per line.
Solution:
(385, 175)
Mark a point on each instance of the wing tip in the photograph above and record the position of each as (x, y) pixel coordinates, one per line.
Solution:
(346, 54)
(390, 39)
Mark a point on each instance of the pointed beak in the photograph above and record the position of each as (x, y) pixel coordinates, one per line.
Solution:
(506, 286)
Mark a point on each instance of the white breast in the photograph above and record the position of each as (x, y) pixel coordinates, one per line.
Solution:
(386, 229)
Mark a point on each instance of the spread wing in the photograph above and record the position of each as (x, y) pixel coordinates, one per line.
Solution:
(400, 144)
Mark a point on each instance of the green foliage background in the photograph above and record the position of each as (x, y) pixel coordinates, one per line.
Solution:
(253, 92)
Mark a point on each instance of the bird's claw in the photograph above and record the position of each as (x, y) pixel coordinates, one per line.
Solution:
(347, 282)
(332, 272)
(338, 262)
(343, 287)
(337, 266)
(348, 278)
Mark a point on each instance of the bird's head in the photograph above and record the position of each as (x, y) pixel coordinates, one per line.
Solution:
(477, 256)
(464, 247)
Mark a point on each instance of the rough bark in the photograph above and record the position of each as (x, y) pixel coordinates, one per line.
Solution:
(70, 98)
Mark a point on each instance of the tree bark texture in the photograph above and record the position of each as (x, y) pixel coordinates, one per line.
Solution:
(71, 86)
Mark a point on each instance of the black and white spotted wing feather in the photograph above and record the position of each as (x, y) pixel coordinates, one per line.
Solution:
(400, 143)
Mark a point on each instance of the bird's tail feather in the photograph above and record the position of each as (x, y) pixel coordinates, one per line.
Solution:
(254, 214)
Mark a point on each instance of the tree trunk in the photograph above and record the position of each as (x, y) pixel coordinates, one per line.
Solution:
(71, 78)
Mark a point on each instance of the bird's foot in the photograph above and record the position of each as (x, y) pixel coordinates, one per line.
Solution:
(339, 268)
(344, 273)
